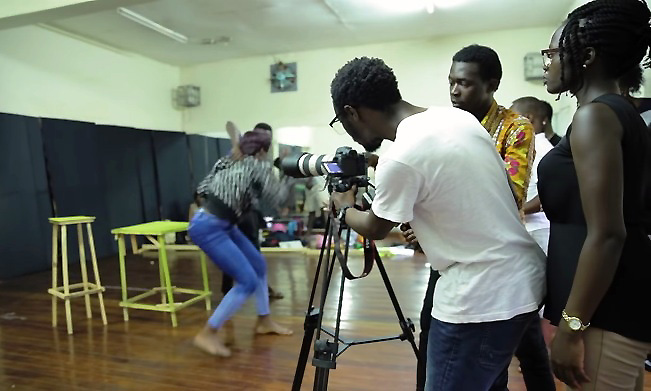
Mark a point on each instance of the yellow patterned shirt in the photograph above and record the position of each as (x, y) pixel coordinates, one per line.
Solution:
(514, 140)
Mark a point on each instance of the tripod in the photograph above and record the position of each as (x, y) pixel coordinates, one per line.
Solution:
(326, 350)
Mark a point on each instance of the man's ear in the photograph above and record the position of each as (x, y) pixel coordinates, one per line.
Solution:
(493, 85)
(351, 112)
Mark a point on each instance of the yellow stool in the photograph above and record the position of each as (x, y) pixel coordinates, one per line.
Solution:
(84, 288)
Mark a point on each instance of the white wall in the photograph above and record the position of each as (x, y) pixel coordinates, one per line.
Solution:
(238, 89)
(46, 74)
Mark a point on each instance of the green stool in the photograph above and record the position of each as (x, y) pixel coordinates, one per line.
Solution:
(155, 232)
(60, 224)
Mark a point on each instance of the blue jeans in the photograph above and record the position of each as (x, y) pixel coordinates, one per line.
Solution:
(471, 356)
(236, 256)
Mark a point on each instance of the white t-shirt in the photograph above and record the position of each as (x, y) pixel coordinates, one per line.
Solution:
(444, 176)
(537, 220)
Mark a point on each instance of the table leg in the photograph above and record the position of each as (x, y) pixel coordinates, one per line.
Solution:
(204, 274)
(123, 275)
(162, 257)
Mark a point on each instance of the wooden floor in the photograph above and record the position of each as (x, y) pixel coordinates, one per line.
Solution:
(148, 354)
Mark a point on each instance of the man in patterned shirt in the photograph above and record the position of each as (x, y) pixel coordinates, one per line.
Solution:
(474, 77)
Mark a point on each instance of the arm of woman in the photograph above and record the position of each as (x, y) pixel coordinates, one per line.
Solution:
(234, 134)
(596, 148)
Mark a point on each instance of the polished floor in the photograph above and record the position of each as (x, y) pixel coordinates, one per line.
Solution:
(146, 353)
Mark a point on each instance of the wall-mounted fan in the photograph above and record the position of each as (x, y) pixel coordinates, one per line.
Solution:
(283, 77)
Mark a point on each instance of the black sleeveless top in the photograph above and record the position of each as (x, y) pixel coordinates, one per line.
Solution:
(625, 309)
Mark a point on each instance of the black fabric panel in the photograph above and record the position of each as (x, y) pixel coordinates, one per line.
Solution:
(25, 234)
(173, 174)
(203, 154)
(224, 146)
(147, 175)
(124, 177)
(73, 159)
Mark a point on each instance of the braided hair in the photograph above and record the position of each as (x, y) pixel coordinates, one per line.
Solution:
(618, 30)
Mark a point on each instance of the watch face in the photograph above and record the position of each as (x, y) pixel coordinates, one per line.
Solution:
(574, 324)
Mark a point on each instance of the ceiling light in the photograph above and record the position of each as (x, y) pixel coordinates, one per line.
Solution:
(448, 3)
(396, 6)
(152, 25)
(411, 6)
(223, 40)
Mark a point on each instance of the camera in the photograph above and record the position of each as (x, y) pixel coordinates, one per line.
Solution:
(345, 169)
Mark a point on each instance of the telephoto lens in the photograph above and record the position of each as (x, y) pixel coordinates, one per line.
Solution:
(305, 165)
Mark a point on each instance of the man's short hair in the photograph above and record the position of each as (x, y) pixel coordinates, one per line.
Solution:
(264, 126)
(547, 112)
(254, 141)
(534, 105)
(486, 58)
(529, 104)
(367, 82)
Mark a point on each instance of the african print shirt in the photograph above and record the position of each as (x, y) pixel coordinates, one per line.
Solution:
(514, 140)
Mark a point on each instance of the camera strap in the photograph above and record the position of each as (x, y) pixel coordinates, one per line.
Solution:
(369, 253)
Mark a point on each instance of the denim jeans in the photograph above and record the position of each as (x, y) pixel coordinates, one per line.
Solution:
(236, 256)
(471, 356)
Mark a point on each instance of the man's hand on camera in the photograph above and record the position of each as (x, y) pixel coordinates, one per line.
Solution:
(341, 200)
(409, 235)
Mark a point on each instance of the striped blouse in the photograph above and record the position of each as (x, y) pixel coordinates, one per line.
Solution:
(240, 184)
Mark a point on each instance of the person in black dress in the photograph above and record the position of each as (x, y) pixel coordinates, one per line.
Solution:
(592, 189)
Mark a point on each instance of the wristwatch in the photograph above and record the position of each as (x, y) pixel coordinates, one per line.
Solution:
(575, 323)
(341, 216)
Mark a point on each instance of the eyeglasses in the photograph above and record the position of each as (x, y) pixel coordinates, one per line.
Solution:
(337, 125)
(548, 55)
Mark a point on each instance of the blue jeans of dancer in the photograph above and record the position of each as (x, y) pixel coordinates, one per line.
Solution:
(236, 256)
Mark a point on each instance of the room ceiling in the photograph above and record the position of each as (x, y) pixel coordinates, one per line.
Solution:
(266, 27)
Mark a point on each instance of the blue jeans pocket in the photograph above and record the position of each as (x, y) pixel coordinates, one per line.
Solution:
(499, 341)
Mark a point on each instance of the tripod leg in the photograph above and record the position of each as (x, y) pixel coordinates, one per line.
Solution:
(313, 317)
(406, 325)
(311, 321)
(321, 379)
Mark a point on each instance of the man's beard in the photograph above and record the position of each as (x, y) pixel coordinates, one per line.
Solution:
(373, 145)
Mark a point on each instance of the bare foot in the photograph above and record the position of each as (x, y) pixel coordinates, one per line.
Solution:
(227, 333)
(208, 341)
(267, 326)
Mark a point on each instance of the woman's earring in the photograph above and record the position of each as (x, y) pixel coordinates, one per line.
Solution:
(584, 66)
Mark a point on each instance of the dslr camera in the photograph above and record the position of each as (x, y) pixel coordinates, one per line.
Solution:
(343, 170)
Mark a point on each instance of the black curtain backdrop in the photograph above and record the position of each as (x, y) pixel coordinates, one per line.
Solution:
(224, 146)
(203, 154)
(120, 175)
(130, 178)
(25, 234)
(73, 155)
(173, 174)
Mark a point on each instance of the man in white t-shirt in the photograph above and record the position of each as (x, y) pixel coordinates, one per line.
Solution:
(534, 218)
(492, 272)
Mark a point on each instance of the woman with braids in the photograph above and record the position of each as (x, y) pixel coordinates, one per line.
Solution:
(233, 186)
(592, 188)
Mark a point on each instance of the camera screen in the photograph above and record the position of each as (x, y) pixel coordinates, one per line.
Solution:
(332, 168)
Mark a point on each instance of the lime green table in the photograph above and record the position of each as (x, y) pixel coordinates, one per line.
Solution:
(155, 231)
